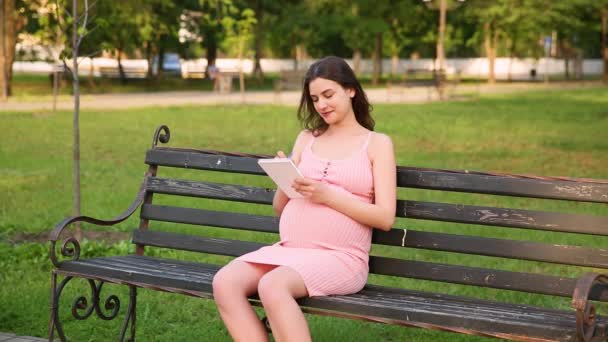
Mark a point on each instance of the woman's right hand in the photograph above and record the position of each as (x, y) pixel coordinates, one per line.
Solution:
(280, 154)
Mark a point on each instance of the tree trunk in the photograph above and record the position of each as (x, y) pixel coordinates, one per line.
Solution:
(241, 72)
(511, 43)
(377, 59)
(90, 79)
(76, 85)
(605, 41)
(441, 36)
(300, 55)
(357, 61)
(394, 65)
(149, 60)
(211, 47)
(161, 62)
(3, 79)
(490, 51)
(121, 71)
(7, 50)
(259, 32)
(565, 52)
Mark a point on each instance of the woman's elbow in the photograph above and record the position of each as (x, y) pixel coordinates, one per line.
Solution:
(388, 223)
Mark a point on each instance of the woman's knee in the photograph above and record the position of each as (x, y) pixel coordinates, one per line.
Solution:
(279, 285)
(271, 290)
(223, 283)
(228, 280)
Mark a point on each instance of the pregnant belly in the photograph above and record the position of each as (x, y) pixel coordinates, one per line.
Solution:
(309, 225)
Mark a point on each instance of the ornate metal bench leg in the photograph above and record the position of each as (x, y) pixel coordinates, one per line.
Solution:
(130, 316)
(55, 324)
(53, 307)
(107, 312)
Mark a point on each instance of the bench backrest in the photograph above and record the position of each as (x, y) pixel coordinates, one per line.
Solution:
(579, 253)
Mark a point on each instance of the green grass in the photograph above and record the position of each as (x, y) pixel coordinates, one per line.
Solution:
(559, 133)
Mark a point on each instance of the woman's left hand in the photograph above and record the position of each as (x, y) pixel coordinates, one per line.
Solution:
(315, 191)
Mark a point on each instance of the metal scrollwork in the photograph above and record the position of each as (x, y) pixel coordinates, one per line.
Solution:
(111, 303)
(587, 327)
(81, 303)
(69, 249)
(163, 138)
(109, 311)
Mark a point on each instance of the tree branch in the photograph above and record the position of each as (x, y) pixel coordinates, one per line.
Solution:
(84, 22)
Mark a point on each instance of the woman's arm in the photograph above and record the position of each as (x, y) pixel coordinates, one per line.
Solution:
(380, 214)
(280, 199)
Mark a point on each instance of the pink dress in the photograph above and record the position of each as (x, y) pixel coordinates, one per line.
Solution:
(328, 249)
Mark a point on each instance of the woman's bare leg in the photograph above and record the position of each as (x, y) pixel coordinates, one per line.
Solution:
(231, 287)
(278, 290)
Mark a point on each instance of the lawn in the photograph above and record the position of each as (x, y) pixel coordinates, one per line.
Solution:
(557, 133)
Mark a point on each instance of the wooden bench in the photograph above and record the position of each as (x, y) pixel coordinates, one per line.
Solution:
(459, 307)
(129, 72)
(430, 79)
(289, 80)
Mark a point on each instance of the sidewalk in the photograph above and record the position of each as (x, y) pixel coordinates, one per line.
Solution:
(5, 337)
(290, 98)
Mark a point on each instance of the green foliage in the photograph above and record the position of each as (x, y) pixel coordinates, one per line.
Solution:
(239, 33)
(323, 27)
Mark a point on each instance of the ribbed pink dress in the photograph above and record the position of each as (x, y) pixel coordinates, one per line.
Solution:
(328, 249)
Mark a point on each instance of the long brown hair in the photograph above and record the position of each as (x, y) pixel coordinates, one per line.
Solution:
(337, 70)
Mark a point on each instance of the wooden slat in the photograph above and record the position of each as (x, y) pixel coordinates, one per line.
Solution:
(406, 177)
(194, 243)
(229, 192)
(517, 281)
(210, 218)
(517, 218)
(191, 159)
(523, 250)
(502, 185)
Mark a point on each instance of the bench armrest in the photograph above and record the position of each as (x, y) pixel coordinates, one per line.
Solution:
(586, 327)
(73, 251)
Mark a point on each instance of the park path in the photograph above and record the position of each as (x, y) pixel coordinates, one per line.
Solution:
(291, 98)
(5, 337)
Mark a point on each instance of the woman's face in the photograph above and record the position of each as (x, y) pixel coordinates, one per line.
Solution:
(331, 101)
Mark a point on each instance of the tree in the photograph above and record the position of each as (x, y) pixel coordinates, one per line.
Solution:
(75, 27)
(10, 24)
(403, 32)
(213, 11)
(239, 34)
(604, 43)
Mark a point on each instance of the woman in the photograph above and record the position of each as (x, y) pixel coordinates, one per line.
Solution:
(349, 186)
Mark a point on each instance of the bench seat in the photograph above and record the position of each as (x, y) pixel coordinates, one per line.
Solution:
(374, 303)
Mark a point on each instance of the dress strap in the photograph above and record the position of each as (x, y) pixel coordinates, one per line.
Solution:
(369, 137)
(309, 144)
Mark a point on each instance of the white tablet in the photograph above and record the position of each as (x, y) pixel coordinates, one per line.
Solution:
(283, 172)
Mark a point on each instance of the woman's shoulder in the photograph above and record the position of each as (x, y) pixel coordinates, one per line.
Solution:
(379, 144)
(303, 137)
(380, 140)
(302, 140)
